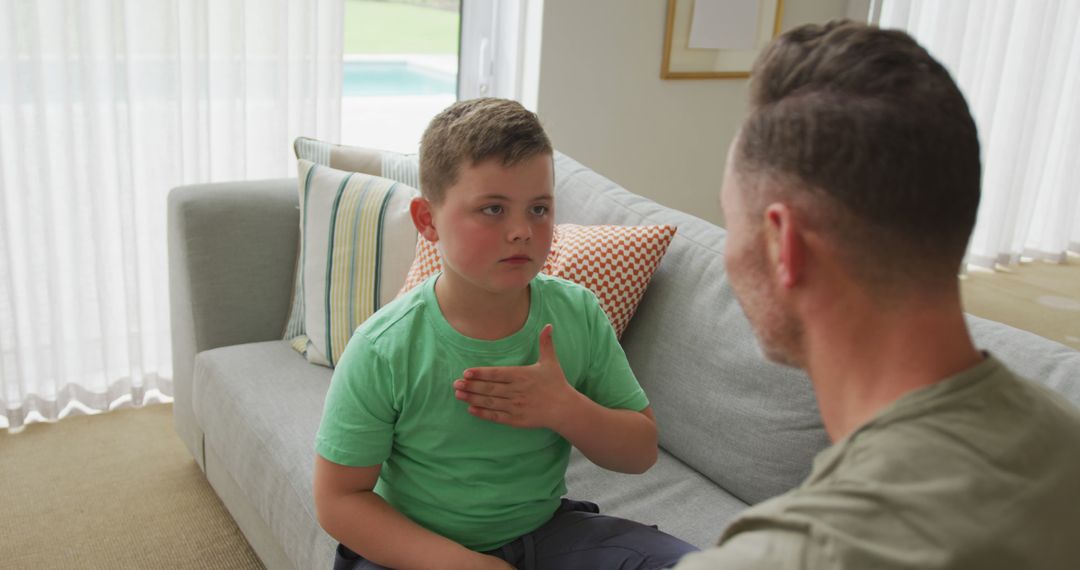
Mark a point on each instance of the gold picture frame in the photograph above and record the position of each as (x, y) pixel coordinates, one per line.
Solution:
(683, 62)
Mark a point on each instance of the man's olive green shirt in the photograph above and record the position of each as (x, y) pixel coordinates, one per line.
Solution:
(981, 471)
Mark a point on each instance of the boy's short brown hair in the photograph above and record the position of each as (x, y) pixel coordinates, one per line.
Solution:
(472, 131)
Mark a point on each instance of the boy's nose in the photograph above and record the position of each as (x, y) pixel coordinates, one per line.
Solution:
(520, 231)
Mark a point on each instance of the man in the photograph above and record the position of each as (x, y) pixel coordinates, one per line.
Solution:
(850, 194)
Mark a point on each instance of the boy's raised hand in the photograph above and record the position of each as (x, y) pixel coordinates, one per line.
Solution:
(533, 396)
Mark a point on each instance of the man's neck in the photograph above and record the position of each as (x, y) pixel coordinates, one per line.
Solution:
(481, 314)
(859, 365)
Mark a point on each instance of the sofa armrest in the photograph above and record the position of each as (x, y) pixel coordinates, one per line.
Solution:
(232, 254)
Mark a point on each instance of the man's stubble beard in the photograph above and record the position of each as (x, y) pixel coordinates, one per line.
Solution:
(779, 332)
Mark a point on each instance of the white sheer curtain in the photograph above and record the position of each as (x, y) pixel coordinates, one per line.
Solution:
(1018, 64)
(104, 106)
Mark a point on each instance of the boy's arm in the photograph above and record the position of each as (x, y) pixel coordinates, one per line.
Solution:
(539, 396)
(619, 440)
(361, 520)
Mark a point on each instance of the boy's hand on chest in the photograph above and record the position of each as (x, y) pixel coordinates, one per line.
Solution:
(533, 396)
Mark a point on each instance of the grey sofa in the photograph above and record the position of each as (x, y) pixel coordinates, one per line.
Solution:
(734, 429)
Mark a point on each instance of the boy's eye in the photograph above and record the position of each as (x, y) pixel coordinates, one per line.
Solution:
(492, 210)
(540, 210)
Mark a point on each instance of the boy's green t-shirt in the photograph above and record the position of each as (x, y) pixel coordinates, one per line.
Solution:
(479, 483)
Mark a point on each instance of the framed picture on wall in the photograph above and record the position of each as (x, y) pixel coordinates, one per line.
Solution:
(715, 39)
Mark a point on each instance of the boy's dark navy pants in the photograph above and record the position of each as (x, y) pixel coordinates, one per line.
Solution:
(577, 536)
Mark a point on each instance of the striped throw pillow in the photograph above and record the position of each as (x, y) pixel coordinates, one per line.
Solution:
(404, 168)
(356, 244)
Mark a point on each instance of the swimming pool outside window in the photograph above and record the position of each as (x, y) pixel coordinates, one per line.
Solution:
(381, 78)
(400, 69)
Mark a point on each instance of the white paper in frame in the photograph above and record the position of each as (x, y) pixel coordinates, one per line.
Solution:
(683, 62)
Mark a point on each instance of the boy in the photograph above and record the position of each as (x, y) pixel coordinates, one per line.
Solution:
(425, 459)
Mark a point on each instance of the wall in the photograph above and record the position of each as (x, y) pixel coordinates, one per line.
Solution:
(602, 101)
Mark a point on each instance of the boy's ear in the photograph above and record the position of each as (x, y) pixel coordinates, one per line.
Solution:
(421, 211)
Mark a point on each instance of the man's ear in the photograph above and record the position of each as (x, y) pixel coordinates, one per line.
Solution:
(784, 243)
(423, 219)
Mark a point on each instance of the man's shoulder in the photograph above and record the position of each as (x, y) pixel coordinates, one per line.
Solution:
(931, 476)
(997, 417)
(1047, 402)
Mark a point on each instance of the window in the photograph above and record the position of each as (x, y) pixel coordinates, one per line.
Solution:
(400, 69)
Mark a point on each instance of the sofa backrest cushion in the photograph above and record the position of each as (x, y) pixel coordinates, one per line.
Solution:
(1030, 355)
(747, 424)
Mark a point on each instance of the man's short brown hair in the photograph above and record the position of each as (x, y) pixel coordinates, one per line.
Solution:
(470, 132)
(864, 127)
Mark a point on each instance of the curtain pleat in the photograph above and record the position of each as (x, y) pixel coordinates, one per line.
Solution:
(105, 105)
(1018, 64)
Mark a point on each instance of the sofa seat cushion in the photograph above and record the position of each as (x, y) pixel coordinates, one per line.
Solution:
(259, 406)
(671, 495)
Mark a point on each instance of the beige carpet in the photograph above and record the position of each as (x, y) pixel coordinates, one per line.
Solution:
(1036, 296)
(111, 491)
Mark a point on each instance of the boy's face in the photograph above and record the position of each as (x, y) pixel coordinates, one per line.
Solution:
(494, 225)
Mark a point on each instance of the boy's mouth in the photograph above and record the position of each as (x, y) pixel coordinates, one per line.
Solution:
(515, 259)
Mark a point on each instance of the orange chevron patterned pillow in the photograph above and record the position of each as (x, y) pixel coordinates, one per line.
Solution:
(616, 263)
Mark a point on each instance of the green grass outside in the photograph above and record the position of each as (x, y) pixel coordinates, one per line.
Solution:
(386, 27)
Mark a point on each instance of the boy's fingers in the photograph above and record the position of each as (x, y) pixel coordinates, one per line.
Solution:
(475, 390)
(490, 415)
(489, 374)
(480, 387)
(486, 402)
(547, 346)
